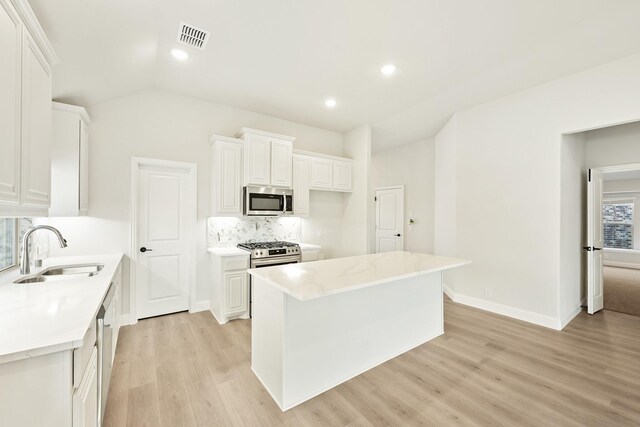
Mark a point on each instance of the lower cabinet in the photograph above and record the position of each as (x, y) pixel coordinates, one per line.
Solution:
(85, 401)
(230, 287)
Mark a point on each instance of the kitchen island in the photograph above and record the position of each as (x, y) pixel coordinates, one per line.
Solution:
(318, 324)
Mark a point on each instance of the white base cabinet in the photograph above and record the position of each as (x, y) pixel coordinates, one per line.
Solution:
(230, 287)
(85, 403)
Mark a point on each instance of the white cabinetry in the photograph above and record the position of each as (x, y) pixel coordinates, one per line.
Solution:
(230, 285)
(342, 172)
(321, 174)
(25, 112)
(69, 161)
(301, 167)
(10, 42)
(267, 158)
(226, 176)
(85, 401)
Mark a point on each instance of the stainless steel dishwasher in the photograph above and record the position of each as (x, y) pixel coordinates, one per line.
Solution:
(105, 349)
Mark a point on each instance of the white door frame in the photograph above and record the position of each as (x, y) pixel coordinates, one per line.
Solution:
(609, 169)
(136, 164)
(375, 222)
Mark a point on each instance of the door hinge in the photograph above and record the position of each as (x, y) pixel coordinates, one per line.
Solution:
(375, 199)
(591, 248)
(589, 178)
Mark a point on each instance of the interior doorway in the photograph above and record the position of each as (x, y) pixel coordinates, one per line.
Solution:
(389, 218)
(613, 240)
(163, 223)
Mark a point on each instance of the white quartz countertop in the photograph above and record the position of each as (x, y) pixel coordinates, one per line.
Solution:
(42, 318)
(304, 246)
(231, 251)
(316, 279)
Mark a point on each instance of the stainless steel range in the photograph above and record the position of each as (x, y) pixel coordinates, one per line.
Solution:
(268, 254)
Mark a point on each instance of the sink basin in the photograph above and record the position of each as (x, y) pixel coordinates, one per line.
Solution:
(72, 269)
(62, 272)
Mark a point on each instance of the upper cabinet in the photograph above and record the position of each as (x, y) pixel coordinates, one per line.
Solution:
(25, 112)
(301, 177)
(69, 161)
(226, 175)
(342, 173)
(321, 173)
(329, 173)
(267, 158)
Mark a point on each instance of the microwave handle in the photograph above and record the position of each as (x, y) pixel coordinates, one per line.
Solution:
(284, 197)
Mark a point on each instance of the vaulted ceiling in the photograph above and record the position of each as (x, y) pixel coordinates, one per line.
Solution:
(285, 57)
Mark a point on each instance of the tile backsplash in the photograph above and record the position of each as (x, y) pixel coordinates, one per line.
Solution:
(227, 232)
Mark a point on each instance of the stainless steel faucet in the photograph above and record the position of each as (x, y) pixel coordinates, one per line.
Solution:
(25, 268)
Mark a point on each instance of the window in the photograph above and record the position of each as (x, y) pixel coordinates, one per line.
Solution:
(11, 232)
(617, 217)
(8, 243)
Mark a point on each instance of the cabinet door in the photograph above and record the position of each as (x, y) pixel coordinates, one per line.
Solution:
(227, 178)
(85, 398)
(301, 165)
(321, 174)
(342, 176)
(10, 69)
(36, 125)
(84, 169)
(237, 292)
(281, 157)
(258, 160)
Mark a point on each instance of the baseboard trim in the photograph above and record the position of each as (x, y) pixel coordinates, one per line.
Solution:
(622, 264)
(201, 306)
(124, 319)
(505, 310)
(569, 317)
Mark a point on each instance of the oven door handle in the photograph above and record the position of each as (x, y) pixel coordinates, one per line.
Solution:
(275, 261)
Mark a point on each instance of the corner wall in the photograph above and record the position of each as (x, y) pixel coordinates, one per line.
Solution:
(508, 184)
(357, 204)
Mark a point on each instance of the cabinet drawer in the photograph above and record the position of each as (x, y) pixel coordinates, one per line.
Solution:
(235, 263)
(82, 355)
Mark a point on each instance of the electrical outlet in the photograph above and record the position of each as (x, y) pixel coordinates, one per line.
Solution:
(488, 293)
(319, 234)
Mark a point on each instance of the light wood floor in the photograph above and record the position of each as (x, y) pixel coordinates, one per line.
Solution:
(186, 370)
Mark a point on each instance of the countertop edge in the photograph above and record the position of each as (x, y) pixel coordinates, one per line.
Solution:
(256, 273)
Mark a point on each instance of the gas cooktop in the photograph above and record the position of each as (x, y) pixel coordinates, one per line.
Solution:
(270, 249)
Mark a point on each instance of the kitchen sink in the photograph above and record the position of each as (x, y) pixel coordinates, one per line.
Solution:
(62, 272)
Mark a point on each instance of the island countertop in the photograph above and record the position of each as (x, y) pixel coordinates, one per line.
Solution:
(316, 279)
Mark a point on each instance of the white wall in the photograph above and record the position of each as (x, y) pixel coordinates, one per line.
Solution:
(573, 222)
(357, 205)
(411, 165)
(508, 186)
(614, 145)
(162, 125)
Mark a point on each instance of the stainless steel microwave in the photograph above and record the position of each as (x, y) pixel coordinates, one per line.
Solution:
(267, 201)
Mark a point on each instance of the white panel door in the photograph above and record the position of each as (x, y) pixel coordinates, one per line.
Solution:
(36, 125)
(301, 165)
(281, 163)
(165, 215)
(342, 172)
(595, 242)
(321, 174)
(389, 219)
(10, 41)
(258, 160)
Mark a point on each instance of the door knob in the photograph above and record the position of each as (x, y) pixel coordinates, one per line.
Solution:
(398, 235)
(143, 249)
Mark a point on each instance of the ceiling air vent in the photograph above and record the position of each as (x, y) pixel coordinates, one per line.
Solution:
(193, 36)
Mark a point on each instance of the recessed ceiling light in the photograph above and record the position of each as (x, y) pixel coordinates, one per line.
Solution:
(388, 69)
(330, 103)
(179, 54)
